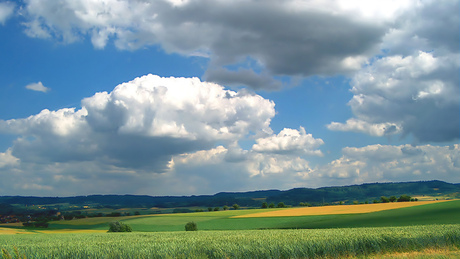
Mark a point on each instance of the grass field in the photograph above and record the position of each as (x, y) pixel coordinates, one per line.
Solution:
(435, 213)
(305, 243)
(425, 214)
(429, 230)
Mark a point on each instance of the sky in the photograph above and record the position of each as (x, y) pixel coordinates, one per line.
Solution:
(191, 97)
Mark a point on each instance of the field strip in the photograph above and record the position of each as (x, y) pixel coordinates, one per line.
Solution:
(337, 209)
(70, 231)
(11, 231)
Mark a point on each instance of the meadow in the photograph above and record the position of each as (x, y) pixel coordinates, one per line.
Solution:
(246, 234)
(446, 212)
(302, 243)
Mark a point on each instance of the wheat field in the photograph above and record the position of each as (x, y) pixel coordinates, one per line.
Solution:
(333, 210)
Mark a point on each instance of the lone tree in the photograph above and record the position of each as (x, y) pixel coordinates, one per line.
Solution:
(236, 206)
(118, 226)
(264, 205)
(191, 226)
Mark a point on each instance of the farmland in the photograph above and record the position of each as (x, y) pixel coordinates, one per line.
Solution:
(333, 210)
(237, 244)
(246, 234)
(422, 214)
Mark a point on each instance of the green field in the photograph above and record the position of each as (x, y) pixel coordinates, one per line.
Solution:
(438, 213)
(431, 226)
(303, 243)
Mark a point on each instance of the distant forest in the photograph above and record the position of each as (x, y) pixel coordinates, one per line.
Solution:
(315, 197)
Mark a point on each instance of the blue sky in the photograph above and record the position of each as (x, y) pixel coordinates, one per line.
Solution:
(189, 97)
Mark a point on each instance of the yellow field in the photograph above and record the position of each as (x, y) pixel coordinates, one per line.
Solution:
(68, 231)
(339, 209)
(10, 231)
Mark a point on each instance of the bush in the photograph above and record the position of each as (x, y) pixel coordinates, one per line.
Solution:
(118, 226)
(191, 226)
(384, 199)
(404, 198)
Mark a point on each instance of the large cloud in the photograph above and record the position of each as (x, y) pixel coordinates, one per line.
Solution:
(414, 89)
(417, 95)
(292, 37)
(383, 163)
(141, 124)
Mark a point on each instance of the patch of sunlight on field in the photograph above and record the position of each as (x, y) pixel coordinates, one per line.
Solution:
(334, 210)
(11, 231)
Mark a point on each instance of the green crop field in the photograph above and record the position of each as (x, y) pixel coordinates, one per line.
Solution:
(302, 243)
(220, 235)
(438, 213)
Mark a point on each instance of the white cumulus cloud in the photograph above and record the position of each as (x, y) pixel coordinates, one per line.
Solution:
(141, 123)
(415, 95)
(385, 163)
(300, 38)
(289, 141)
(413, 88)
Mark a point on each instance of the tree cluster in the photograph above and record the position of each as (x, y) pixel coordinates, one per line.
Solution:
(117, 226)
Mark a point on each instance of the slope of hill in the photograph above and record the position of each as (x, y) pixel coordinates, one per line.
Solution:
(347, 194)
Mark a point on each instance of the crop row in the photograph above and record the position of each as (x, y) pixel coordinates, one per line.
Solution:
(303, 243)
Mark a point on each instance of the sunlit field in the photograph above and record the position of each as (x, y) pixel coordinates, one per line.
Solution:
(333, 210)
(304, 243)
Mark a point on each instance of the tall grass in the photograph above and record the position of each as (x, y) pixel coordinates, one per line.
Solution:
(236, 244)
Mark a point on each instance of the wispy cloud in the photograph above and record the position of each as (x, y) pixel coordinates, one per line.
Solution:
(6, 11)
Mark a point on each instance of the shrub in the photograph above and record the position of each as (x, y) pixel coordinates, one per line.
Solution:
(118, 226)
(191, 226)
(384, 199)
(404, 198)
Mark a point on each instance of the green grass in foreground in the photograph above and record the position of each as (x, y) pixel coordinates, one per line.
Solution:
(304, 243)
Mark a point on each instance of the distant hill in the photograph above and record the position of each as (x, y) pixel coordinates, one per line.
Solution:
(318, 196)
